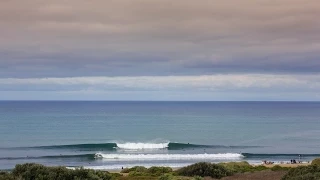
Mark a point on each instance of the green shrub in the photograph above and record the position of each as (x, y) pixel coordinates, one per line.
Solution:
(311, 172)
(137, 173)
(135, 168)
(237, 167)
(31, 171)
(197, 178)
(280, 168)
(157, 171)
(204, 169)
(259, 168)
(316, 162)
(242, 163)
(6, 176)
(166, 177)
(139, 169)
(241, 167)
(125, 170)
(142, 171)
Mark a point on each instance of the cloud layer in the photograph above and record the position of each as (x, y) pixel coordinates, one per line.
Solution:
(203, 87)
(206, 83)
(160, 49)
(159, 37)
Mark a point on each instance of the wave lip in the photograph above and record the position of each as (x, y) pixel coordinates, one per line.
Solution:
(139, 146)
(146, 157)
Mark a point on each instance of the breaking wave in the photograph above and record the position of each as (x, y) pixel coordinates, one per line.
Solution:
(136, 146)
(145, 157)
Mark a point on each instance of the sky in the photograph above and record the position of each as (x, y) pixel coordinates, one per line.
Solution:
(204, 50)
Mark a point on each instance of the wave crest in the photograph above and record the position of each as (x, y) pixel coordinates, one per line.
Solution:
(137, 146)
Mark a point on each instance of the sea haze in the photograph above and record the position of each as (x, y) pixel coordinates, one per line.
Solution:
(115, 134)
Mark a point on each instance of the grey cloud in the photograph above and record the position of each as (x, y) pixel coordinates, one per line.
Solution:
(160, 37)
(209, 83)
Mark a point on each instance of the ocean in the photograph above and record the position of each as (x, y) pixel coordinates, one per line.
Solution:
(115, 134)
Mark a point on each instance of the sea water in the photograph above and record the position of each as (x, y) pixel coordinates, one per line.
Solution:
(112, 135)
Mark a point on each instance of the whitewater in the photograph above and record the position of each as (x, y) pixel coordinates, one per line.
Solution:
(136, 146)
(169, 157)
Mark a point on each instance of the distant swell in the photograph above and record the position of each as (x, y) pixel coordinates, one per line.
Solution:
(78, 156)
(136, 146)
(102, 146)
(144, 157)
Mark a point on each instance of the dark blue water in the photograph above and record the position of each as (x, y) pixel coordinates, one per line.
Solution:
(110, 135)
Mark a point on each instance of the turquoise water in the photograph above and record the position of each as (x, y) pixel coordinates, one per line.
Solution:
(111, 135)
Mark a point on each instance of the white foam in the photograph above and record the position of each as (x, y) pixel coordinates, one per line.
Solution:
(137, 146)
(146, 157)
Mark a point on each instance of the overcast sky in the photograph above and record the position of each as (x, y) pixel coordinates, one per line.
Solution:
(160, 50)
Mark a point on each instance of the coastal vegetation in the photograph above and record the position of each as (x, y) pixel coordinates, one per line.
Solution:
(32, 171)
(316, 162)
(242, 167)
(204, 169)
(142, 171)
(197, 171)
(311, 172)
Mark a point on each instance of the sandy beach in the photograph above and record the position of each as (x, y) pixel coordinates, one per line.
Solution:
(287, 165)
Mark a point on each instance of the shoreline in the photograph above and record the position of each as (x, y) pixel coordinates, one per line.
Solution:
(287, 165)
